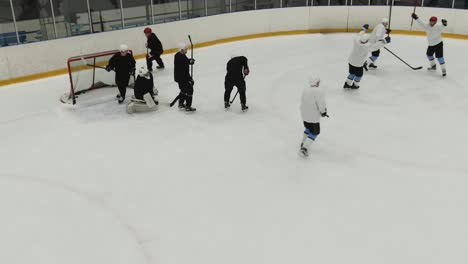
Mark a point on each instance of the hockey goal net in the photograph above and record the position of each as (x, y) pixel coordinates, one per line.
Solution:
(87, 73)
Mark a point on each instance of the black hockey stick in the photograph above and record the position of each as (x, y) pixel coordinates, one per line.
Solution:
(191, 47)
(413, 68)
(174, 101)
(234, 97)
(96, 66)
(414, 12)
(390, 14)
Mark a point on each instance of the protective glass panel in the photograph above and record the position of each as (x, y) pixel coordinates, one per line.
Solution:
(242, 5)
(72, 17)
(7, 28)
(105, 15)
(294, 3)
(136, 13)
(169, 10)
(34, 20)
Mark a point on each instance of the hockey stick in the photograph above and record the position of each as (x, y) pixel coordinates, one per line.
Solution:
(234, 97)
(390, 14)
(96, 66)
(414, 11)
(413, 68)
(191, 47)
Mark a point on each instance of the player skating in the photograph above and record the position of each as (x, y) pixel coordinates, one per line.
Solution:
(434, 39)
(144, 99)
(183, 78)
(237, 69)
(313, 107)
(358, 57)
(123, 64)
(155, 50)
(379, 38)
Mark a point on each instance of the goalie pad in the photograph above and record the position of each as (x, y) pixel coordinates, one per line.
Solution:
(136, 105)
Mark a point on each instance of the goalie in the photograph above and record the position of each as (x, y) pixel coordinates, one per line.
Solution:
(144, 99)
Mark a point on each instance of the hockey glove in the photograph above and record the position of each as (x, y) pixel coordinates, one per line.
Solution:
(192, 82)
(324, 114)
(444, 22)
(365, 27)
(414, 16)
(388, 31)
(192, 61)
(108, 68)
(246, 72)
(388, 39)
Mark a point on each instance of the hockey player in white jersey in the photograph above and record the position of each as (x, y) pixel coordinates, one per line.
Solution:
(379, 38)
(361, 49)
(434, 39)
(313, 107)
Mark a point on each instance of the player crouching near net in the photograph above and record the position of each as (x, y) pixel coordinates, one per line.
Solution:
(313, 107)
(434, 38)
(123, 64)
(144, 99)
(357, 59)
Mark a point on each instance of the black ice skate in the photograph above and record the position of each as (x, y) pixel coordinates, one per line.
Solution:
(347, 86)
(190, 109)
(304, 152)
(432, 68)
(365, 66)
(160, 67)
(444, 72)
(117, 96)
(181, 106)
(372, 65)
(121, 100)
(227, 105)
(245, 108)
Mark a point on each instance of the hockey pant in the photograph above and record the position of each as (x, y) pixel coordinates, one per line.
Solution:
(241, 87)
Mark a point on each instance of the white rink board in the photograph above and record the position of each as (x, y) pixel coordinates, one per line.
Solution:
(52, 55)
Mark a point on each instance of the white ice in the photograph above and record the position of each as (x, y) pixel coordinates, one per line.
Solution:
(386, 181)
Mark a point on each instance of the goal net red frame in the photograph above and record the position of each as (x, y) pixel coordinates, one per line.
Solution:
(87, 73)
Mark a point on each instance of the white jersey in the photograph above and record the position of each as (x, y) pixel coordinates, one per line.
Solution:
(312, 104)
(434, 34)
(377, 37)
(360, 51)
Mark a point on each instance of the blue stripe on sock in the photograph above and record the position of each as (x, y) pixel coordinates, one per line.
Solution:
(431, 58)
(357, 78)
(351, 77)
(374, 58)
(309, 134)
(441, 60)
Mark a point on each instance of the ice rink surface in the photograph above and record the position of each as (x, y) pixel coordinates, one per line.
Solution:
(386, 181)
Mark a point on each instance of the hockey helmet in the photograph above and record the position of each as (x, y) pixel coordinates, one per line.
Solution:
(123, 48)
(433, 19)
(314, 82)
(143, 72)
(385, 21)
(147, 30)
(182, 46)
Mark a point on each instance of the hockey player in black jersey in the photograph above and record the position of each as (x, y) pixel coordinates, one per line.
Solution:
(156, 49)
(237, 69)
(182, 77)
(144, 99)
(123, 64)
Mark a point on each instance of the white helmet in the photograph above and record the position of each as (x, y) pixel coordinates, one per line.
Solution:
(182, 46)
(314, 82)
(385, 20)
(143, 72)
(364, 38)
(123, 47)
